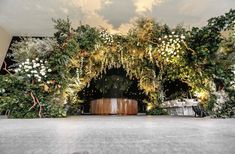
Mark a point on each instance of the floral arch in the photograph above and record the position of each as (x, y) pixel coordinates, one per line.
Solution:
(118, 51)
(52, 70)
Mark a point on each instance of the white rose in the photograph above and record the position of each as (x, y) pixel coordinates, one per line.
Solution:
(43, 73)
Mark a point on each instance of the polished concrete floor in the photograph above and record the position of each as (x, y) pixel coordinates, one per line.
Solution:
(117, 134)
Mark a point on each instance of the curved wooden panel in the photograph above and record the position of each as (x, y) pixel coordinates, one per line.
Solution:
(120, 106)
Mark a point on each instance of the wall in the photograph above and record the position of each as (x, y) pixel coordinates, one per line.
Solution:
(5, 39)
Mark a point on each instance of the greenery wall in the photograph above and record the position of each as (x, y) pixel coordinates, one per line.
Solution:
(48, 73)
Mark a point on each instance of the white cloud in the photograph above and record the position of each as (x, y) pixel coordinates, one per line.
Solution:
(97, 21)
(124, 28)
(33, 18)
(145, 5)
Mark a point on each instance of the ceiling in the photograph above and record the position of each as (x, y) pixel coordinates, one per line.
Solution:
(33, 17)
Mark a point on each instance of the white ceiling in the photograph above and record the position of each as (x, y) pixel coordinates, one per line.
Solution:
(33, 17)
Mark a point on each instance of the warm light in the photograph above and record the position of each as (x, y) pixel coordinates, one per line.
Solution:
(149, 106)
(202, 95)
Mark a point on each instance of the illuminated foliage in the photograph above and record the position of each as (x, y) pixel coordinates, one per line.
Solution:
(151, 53)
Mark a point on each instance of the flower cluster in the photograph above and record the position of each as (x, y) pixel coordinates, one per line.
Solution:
(105, 37)
(31, 47)
(222, 98)
(33, 69)
(170, 45)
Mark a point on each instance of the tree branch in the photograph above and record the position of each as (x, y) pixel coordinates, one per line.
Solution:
(188, 48)
(5, 67)
(35, 102)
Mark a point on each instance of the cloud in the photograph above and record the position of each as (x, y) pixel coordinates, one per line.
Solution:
(118, 12)
(203, 10)
(33, 18)
(146, 5)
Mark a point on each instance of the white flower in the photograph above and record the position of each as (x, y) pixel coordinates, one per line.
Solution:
(28, 75)
(43, 73)
(37, 59)
(39, 80)
(182, 37)
(49, 70)
(2, 90)
(27, 60)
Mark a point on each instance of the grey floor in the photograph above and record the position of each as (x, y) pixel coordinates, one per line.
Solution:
(117, 134)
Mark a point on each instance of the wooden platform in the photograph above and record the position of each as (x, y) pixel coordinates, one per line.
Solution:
(120, 106)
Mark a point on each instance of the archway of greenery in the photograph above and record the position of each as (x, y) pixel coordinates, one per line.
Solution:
(114, 83)
(49, 72)
(148, 60)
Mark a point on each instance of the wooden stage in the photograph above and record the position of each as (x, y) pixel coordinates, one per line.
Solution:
(114, 106)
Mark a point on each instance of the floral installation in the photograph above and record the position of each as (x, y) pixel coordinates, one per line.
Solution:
(34, 70)
(50, 72)
(171, 46)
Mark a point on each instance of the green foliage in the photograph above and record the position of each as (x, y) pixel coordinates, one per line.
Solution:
(63, 28)
(16, 100)
(113, 82)
(87, 37)
(150, 52)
